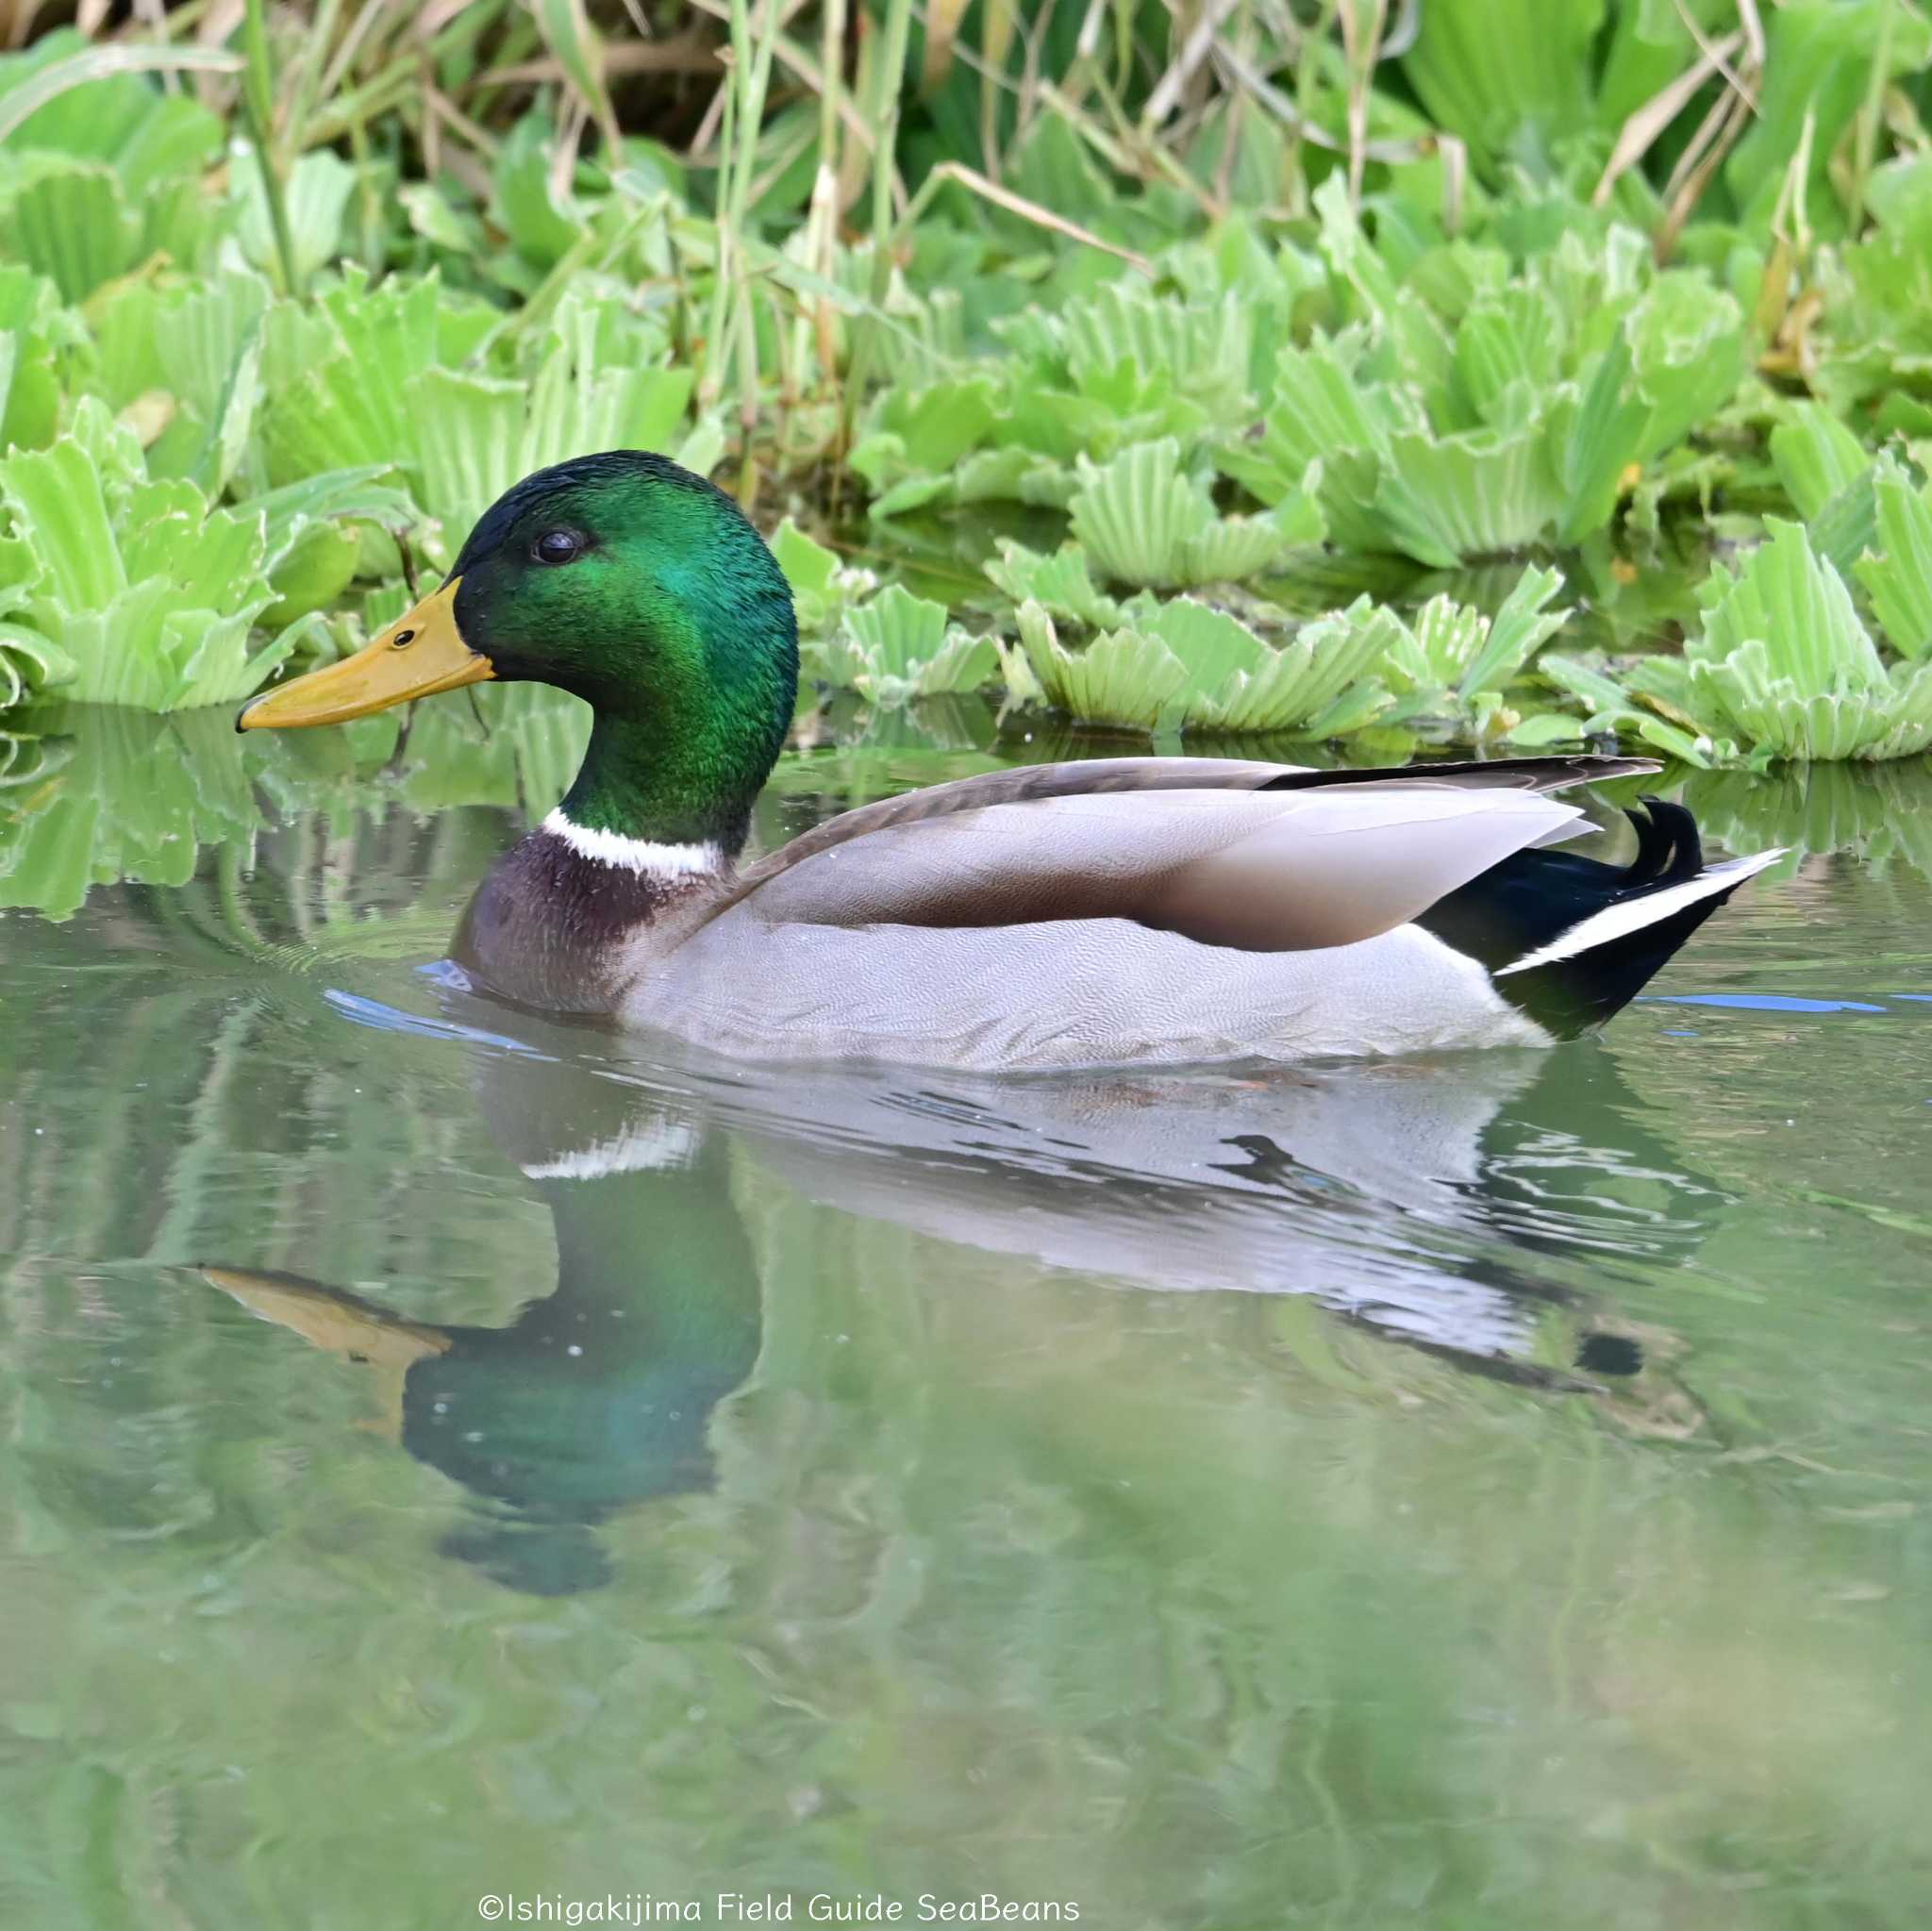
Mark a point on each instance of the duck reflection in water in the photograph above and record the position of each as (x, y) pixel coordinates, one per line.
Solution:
(1423, 1201)
(599, 1395)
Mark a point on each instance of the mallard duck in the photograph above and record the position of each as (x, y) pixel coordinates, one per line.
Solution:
(1126, 910)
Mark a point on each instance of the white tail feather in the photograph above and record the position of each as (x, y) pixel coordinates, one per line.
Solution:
(1619, 921)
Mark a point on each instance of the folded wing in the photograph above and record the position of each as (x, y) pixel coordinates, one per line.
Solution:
(1256, 869)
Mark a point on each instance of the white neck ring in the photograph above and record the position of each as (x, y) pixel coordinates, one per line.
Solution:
(638, 854)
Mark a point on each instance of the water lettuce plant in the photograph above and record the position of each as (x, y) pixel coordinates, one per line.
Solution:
(1178, 333)
(1786, 665)
(1179, 663)
(1185, 665)
(897, 646)
(1785, 659)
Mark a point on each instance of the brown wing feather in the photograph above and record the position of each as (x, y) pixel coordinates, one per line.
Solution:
(1099, 775)
(1253, 868)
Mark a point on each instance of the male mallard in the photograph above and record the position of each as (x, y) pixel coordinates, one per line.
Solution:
(1127, 910)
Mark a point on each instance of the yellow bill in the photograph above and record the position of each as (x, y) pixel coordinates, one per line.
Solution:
(327, 1318)
(422, 652)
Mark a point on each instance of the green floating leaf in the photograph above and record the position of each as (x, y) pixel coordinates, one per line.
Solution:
(1469, 495)
(312, 571)
(1786, 596)
(898, 630)
(808, 566)
(1320, 681)
(1451, 661)
(1544, 728)
(73, 226)
(1521, 628)
(898, 647)
(71, 95)
(1899, 577)
(1816, 456)
(1120, 678)
(1785, 660)
(542, 227)
(1143, 522)
(1135, 515)
(1184, 663)
(36, 329)
(1847, 525)
(149, 594)
(1213, 644)
(1610, 708)
(1206, 347)
(338, 377)
(1060, 584)
(1505, 70)
(1231, 549)
(434, 217)
(370, 379)
(29, 665)
(315, 194)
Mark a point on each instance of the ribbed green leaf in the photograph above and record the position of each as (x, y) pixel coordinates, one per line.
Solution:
(145, 590)
(60, 507)
(469, 440)
(1468, 495)
(1521, 628)
(1120, 678)
(1060, 584)
(29, 663)
(1230, 550)
(1320, 681)
(899, 646)
(1213, 645)
(72, 224)
(1509, 343)
(964, 663)
(315, 193)
(312, 571)
(897, 632)
(1816, 456)
(1787, 598)
(1491, 70)
(1899, 579)
(1134, 514)
(1206, 347)
(542, 227)
(807, 564)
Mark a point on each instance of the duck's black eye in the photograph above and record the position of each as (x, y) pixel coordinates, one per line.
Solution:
(556, 546)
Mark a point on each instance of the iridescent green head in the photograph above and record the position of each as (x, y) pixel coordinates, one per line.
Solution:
(638, 587)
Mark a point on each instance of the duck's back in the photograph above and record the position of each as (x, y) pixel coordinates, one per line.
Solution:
(1115, 914)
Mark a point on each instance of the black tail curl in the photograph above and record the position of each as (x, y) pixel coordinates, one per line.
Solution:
(1668, 847)
(1532, 898)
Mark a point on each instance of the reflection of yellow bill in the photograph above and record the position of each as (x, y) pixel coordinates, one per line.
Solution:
(327, 1318)
(422, 652)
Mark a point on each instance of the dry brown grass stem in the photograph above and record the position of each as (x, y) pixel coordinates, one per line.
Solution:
(1645, 123)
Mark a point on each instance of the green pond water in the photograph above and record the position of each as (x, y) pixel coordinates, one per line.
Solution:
(444, 1455)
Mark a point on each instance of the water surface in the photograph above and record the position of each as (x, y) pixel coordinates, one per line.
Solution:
(444, 1452)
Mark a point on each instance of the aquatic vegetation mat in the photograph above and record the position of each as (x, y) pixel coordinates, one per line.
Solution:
(1100, 384)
